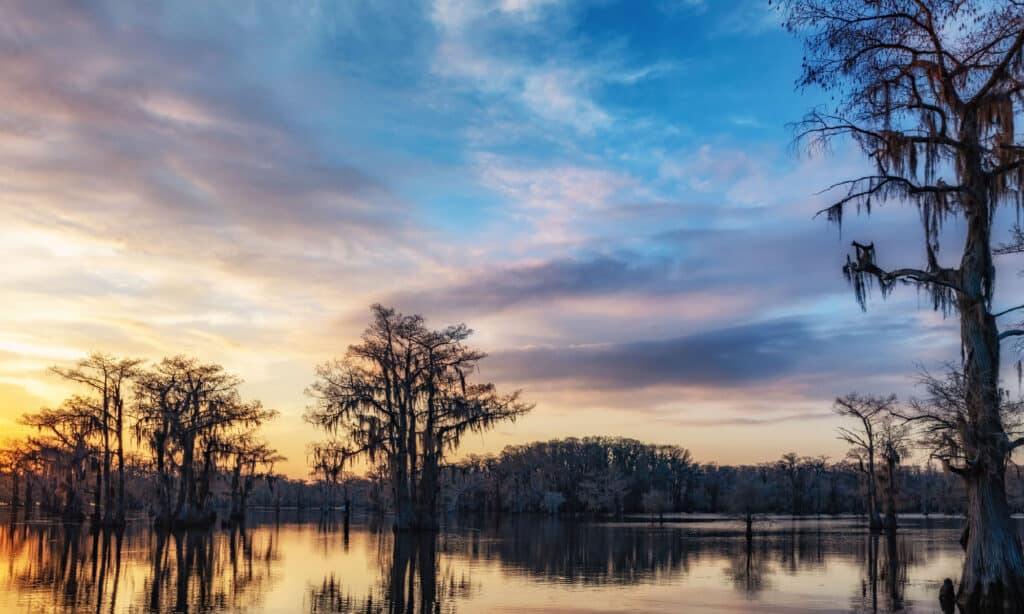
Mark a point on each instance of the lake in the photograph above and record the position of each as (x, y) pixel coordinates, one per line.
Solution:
(297, 563)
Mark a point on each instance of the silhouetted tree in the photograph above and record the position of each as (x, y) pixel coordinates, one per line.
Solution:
(930, 89)
(63, 445)
(246, 455)
(403, 395)
(328, 464)
(187, 414)
(750, 498)
(869, 411)
(15, 464)
(941, 416)
(107, 380)
(893, 440)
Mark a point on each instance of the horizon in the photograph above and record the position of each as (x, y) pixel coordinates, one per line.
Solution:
(611, 204)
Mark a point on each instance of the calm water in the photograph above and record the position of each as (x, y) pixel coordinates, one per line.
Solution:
(519, 565)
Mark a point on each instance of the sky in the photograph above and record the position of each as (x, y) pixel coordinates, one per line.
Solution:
(606, 192)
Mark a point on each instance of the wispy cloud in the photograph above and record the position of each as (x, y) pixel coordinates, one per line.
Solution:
(593, 194)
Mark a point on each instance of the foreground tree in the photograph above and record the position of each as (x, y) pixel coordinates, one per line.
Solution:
(403, 395)
(930, 90)
(940, 413)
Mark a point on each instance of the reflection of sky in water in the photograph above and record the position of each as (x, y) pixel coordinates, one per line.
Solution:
(519, 565)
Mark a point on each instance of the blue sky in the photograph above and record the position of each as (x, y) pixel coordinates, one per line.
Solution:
(605, 191)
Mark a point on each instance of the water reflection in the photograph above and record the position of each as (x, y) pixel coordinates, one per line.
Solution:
(748, 567)
(409, 583)
(520, 565)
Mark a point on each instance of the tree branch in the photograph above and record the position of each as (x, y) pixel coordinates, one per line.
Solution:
(865, 263)
(1013, 332)
(999, 71)
(1006, 311)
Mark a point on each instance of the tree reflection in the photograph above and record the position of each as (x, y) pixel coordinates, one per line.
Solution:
(58, 560)
(409, 583)
(748, 567)
(885, 574)
(587, 553)
(55, 568)
(198, 580)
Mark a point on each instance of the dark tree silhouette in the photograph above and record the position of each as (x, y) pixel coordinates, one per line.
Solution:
(63, 444)
(894, 437)
(246, 457)
(327, 460)
(403, 395)
(748, 500)
(188, 415)
(107, 380)
(869, 411)
(930, 90)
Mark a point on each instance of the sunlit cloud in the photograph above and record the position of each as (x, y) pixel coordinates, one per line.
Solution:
(630, 242)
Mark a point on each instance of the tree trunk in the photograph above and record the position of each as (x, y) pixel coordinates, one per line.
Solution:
(236, 498)
(119, 519)
(405, 512)
(890, 495)
(97, 495)
(427, 511)
(874, 518)
(108, 499)
(993, 574)
(993, 566)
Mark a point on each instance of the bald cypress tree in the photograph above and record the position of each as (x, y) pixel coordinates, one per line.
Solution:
(931, 91)
(404, 396)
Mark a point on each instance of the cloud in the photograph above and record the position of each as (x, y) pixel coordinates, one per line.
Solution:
(715, 358)
(507, 288)
(732, 357)
(241, 184)
(490, 46)
(718, 421)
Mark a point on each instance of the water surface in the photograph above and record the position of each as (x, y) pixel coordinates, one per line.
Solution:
(518, 565)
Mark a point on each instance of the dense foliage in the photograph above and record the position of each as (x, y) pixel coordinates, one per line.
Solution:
(404, 396)
(191, 428)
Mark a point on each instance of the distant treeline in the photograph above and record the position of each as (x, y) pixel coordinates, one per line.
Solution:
(613, 476)
(34, 485)
(589, 476)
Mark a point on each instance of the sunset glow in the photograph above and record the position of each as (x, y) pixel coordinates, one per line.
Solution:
(611, 204)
